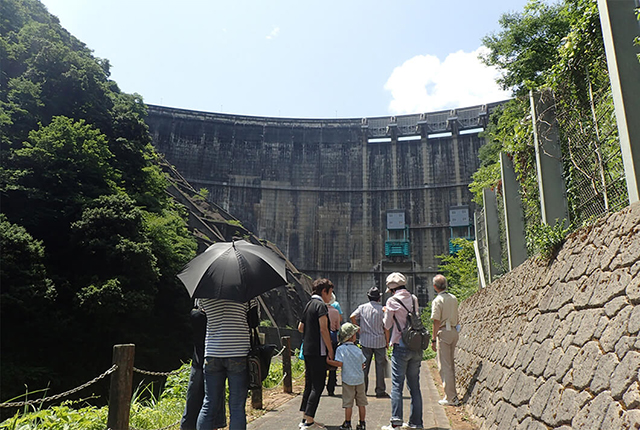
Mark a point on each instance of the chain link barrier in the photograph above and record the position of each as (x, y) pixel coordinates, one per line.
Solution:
(149, 372)
(61, 395)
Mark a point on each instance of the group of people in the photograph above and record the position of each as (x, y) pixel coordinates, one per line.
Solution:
(222, 342)
(380, 328)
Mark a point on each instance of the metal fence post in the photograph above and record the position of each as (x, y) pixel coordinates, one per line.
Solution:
(553, 199)
(513, 216)
(492, 233)
(121, 385)
(287, 383)
(619, 28)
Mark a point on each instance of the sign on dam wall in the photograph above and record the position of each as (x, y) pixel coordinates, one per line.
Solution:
(322, 189)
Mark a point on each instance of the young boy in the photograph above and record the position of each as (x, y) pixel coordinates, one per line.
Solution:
(351, 359)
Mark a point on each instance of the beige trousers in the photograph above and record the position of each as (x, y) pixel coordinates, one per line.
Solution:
(447, 340)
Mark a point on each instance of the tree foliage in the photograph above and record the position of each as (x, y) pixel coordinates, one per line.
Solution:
(90, 241)
(527, 45)
(558, 47)
(460, 269)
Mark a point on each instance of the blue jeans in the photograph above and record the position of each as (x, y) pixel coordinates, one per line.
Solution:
(406, 364)
(216, 372)
(195, 396)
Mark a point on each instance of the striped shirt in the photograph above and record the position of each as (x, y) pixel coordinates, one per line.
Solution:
(227, 328)
(369, 318)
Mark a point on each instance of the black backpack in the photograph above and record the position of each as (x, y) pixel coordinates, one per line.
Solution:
(414, 335)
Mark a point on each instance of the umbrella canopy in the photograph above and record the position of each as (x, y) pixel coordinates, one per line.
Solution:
(235, 271)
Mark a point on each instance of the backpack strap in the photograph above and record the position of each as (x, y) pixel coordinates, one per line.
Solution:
(413, 303)
(403, 305)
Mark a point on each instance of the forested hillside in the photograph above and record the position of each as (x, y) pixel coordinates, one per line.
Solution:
(90, 241)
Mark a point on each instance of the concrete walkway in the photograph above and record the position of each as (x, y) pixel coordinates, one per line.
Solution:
(331, 414)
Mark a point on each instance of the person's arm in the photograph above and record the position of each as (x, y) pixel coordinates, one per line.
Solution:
(354, 316)
(334, 363)
(326, 337)
(387, 336)
(301, 327)
(436, 328)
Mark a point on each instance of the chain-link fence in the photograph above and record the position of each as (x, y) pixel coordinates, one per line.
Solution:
(594, 171)
(591, 156)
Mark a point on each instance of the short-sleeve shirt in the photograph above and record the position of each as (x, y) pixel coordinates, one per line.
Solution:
(311, 337)
(227, 328)
(445, 309)
(351, 358)
(369, 317)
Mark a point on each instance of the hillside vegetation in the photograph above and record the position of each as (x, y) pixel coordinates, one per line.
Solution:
(90, 240)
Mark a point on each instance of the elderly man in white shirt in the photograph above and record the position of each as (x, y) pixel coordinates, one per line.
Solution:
(444, 313)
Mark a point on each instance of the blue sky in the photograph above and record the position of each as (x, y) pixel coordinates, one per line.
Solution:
(328, 59)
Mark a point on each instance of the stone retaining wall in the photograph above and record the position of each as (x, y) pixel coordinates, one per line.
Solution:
(556, 346)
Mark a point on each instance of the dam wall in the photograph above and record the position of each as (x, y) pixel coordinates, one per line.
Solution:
(555, 346)
(320, 189)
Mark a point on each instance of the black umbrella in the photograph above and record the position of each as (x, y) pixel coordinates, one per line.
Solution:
(235, 270)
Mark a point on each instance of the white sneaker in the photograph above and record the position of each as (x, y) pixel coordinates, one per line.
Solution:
(315, 426)
(407, 426)
(445, 402)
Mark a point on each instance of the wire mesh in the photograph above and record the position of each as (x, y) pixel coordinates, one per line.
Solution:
(595, 177)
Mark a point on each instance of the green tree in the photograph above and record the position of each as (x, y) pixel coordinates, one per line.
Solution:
(460, 269)
(26, 291)
(80, 181)
(527, 44)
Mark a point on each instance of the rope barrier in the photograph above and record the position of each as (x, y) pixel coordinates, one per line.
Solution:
(61, 395)
(279, 352)
(149, 372)
(280, 382)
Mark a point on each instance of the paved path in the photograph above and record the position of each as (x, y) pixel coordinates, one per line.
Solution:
(331, 414)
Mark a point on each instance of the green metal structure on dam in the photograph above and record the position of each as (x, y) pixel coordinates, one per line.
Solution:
(347, 199)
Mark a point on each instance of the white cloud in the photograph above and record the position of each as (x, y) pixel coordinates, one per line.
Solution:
(274, 33)
(424, 83)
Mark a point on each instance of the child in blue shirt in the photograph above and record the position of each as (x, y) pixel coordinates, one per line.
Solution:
(351, 359)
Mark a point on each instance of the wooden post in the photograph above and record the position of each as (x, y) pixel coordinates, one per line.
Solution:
(121, 385)
(287, 383)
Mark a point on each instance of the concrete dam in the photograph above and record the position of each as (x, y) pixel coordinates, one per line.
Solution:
(346, 199)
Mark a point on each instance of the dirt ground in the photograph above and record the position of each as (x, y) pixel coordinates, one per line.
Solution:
(458, 416)
(273, 398)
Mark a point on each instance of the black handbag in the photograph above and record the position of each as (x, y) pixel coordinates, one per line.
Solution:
(258, 360)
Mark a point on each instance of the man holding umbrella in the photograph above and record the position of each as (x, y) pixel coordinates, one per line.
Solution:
(226, 276)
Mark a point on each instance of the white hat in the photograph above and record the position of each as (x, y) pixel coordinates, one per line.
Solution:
(395, 280)
(333, 299)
